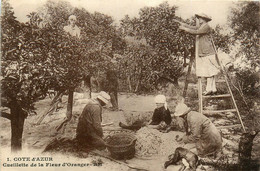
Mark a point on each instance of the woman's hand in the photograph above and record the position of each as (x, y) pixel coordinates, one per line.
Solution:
(177, 21)
(182, 27)
(152, 126)
(185, 139)
(178, 138)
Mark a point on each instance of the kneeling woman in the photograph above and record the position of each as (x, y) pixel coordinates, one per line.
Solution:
(202, 132)
(161, 116)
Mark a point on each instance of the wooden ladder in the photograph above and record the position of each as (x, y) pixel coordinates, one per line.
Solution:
(229, 95)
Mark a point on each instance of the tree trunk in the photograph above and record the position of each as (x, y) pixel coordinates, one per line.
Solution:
(17, 123)
(90, 90)
(129, 83)
(70, 105)
(139, 80)
(187, 76)
(245, 149)
(88, 83)
(137, 85)
(53, 107)
(176, 83)
(98, 81)
(69, 111)
(114, 99)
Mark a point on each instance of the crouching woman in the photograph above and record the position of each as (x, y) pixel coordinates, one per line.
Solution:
(201, 131)
(89, 131)
(161, 115)
(161, 118)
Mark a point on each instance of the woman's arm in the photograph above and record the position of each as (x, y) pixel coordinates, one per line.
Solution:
(195, 129)
(95, 113)
(189, 26)
(202, 30)
(153, 126)
(185, 25)
(167, 117)
(156, 118)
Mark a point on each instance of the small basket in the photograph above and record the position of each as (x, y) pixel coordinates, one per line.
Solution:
(121, 145)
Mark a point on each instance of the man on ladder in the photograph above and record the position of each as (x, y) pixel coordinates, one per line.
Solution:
(207, 62)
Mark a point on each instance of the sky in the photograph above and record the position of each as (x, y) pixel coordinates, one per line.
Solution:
(218, 10)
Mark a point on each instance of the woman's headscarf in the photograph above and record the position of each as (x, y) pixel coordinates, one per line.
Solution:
(161, 99)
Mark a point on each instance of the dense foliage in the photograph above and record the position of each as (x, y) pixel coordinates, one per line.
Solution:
(244, 21)
(72, 58)
(39, 55)
(23, 63)
(169, 48)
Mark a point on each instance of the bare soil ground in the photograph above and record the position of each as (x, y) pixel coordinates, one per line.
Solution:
(37, 137)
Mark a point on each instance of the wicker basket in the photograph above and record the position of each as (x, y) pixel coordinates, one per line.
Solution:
(121, 145)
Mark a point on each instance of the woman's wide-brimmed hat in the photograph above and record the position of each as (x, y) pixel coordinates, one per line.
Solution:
(204, 16)
(104, 97)
(181, 109)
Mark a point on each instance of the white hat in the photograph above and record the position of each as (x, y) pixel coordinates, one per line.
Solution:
(104, 97)
(160, 99)
(72, 17)
(181, 109)
(204, 16)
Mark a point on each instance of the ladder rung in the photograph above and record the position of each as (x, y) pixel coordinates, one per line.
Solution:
(217, 96)
(229, 126)
(221, 81)
(219, 111)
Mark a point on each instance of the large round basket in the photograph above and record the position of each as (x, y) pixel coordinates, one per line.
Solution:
(121, 145)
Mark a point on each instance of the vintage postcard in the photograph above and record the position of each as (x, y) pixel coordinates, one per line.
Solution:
(129, 85)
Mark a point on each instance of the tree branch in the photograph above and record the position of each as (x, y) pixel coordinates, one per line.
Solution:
(170, 80)
(6, 115)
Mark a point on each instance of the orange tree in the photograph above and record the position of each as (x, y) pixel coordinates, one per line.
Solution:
(135, 68)
(164, 49)
(72, 58)
(170, 47)
(39, 55)
(244, 22)
(23, 71)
